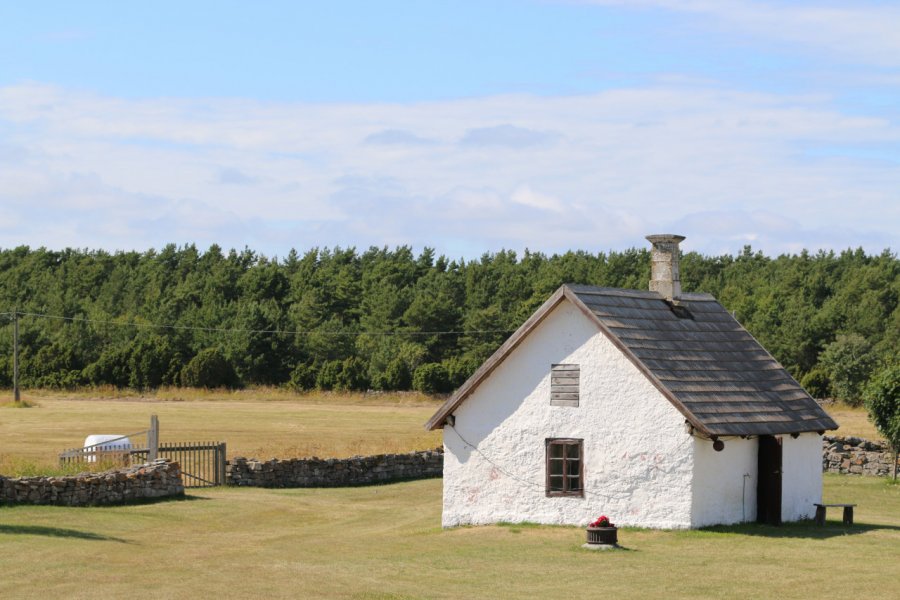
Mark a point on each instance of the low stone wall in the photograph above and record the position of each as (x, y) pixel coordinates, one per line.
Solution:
(335, 472)
(158, 479)
(857, 456)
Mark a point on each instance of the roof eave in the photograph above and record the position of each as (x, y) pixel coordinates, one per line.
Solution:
(754, 430)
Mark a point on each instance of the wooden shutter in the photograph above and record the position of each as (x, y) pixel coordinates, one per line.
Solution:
(564, 384)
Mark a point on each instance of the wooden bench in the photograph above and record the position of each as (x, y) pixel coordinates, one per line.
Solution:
(820, 512)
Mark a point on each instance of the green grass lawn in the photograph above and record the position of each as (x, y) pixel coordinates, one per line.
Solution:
(386, 542)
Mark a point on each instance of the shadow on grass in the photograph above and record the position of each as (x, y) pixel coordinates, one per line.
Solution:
(160, 500)
(801, 529)
(58, 532)
(124, 503)
(184, 498)
(619, 548)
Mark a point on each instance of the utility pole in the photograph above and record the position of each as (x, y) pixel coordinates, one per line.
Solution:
(16, 355)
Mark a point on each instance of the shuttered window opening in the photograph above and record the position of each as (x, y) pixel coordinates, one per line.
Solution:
(564, 384)
(564, 467)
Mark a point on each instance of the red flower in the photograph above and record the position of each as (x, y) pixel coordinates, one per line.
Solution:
(603, 521)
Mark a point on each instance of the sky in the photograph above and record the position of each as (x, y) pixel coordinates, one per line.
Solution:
(463, 126)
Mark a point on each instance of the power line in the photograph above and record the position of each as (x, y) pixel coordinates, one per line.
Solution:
(488, 459)
(253, 331)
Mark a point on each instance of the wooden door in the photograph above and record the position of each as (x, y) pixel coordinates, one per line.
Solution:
(768, 491)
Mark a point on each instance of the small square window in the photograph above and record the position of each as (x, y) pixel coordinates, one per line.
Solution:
(564, 384)
(564, 467)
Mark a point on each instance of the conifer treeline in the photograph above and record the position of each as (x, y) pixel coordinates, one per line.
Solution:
(371, 320)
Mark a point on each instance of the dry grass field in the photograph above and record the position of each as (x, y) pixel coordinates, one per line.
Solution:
(853, 421)
(257, 423)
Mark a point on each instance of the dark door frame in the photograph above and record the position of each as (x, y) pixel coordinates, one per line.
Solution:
(768, 488)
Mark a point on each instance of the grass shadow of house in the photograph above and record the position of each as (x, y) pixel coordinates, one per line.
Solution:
(800, 529)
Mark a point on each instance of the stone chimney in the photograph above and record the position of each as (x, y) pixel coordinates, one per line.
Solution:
(665, 277)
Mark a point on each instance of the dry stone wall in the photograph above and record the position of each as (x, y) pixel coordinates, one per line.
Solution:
(856, 456)
(839, 455)
(158, 479)
(335, 472)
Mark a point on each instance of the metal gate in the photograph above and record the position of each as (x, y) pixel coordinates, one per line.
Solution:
(202, 463)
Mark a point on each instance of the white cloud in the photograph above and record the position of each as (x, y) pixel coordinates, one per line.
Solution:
(232, 176)
(596, 171)
(508, 136)
(526, 196)
(390, 137)
(861, 31)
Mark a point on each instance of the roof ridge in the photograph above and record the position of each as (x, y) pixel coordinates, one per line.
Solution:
(597, 290)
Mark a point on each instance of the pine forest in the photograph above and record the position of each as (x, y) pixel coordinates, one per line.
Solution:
(391, 319)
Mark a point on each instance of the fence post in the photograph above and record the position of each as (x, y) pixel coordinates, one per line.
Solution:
(153, 439)
(220, 467)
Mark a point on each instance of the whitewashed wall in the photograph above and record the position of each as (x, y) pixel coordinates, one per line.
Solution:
(638, 459)
(801, 479)
(724, 483)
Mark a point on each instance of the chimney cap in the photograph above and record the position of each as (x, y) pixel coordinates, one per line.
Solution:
(665, 237)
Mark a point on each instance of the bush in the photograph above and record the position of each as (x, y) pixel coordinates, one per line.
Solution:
(396, 376)
(816, 383)
(352, 375)
(111, 368)
(63, 380)
(152, 363)
(459, 369)
(431, 378)
(303, 377)
(883, 403)
(329, 372)
(209, 369)
(849, 362)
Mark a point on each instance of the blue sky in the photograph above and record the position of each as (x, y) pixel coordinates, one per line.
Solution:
(464, 126)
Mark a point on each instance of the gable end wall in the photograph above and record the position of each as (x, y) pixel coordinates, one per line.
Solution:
(637, 457)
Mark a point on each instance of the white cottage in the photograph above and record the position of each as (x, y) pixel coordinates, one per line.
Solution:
(655, 408)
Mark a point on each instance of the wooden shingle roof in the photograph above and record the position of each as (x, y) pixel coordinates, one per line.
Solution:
(693, 350)
(707, 361)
